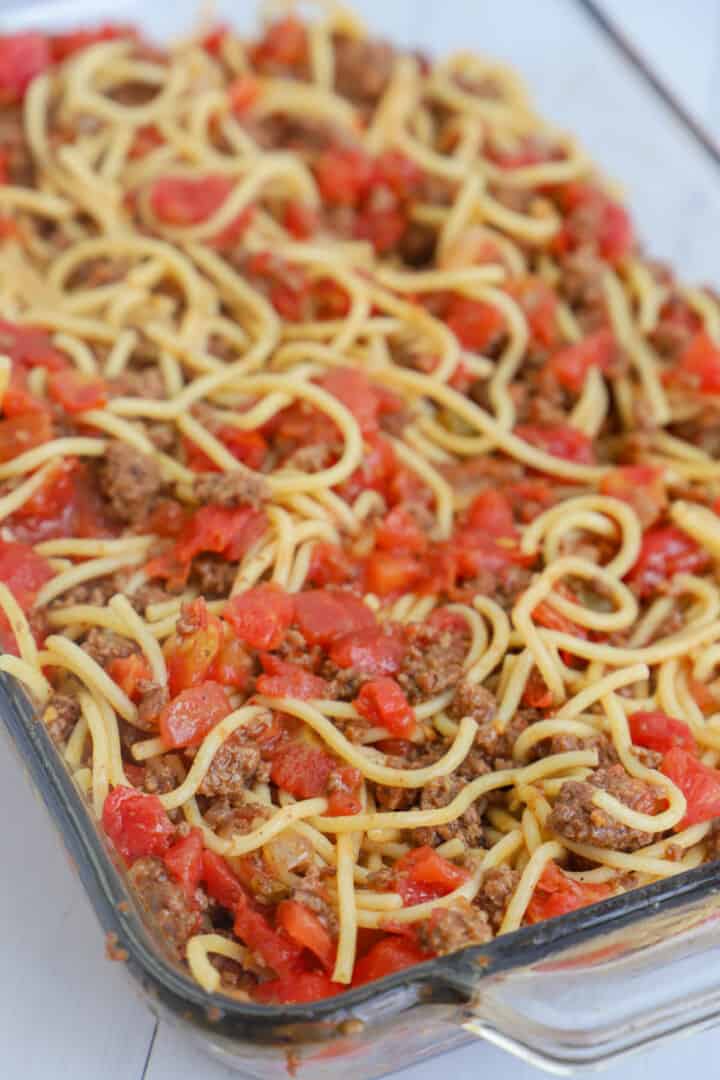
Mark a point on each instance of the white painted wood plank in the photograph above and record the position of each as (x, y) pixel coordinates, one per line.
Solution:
(65, 1010)
(682, 43)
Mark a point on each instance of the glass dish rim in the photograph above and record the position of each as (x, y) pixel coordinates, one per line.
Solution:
(460, 972)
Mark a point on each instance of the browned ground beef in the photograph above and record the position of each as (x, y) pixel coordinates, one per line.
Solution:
(468, 827)
(492, 749)
(165, 901)
(61, 714)
(129, 480)
(575, 816)
(362, 68)
(472, 700)
(140, 382)
(305, 135)
(104, 646)
(239, 487)
(153, 697)
(96, 592)
(563, 744)
(312, 894)
(235, 767)
(213, 575)
(163, 773)
(417, 246)
(226, 818)
(433, 662)
(495, 893)
(18, 159)
(581, 284)
(453, 927)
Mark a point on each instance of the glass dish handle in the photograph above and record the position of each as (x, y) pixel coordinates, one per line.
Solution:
(606, 996)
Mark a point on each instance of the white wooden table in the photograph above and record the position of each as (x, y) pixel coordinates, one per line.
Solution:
(65, 1011)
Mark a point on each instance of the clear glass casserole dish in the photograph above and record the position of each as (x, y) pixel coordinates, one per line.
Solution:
(573, 992)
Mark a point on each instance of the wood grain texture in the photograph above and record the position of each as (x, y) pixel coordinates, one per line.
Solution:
(64, 1010)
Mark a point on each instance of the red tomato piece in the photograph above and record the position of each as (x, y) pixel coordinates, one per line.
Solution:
(560, 440)
(381, 228)
(22, 57)
(557, 894)
(24, 572)
(276, 949)
(187, 719)
(640, 486)
(382, 701)
(128, 672)
(261, 616)
(306, 930)
(243, 92)
(324, 615)
(184, 860)
(700, 364)
(353, 389)
(372, 651)
(226, 531)
(301, 769)
(595, 219)
(282, 680)
(64, 45)
(283, 45)
(656, 731)
(300, 219)
(491, 512)
(220, 881)
(537, 694)
(474, 323)
(297, 989)
(398, 531)
(344, 787)
(30, 346)
(539, 304)
(423, 875)
(665, 551)
(233, 665)
(699, 783)
(137, 824)
(184, 200)
(571, 364)
(344, 175)
(22, 433)
(386, 957)
(330, 565)
(76, 392)
(386, 573)
(191, 654)
(399, 173)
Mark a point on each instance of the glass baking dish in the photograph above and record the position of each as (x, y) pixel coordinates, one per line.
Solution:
(571, 993)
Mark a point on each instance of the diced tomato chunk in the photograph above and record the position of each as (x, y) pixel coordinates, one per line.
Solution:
(300, 219)
(233, 665)
(298, 989)
(389, 955)
(352, 387)
(184, 860)
(474, 322)
(220, 881)
(128, 672)
(324, 615)
(301, 769)
(187, 719)
(283, 45)
(223, 530)
(344, 175)
(557, 894)
(640, 486)
(305, 928)
(699, 364)
(136, 823)
(539, 304)
(491, 512)
(571, 364)
(423, 875)
(21, 433)
(279, 952)
(344, 789)
(594, 219)
(560, 440)
(23, 56)
(183, 200)
(665, 551)
(398, 531)
(76, 392)
(330, 565)
(282, 679)
(381, 701)
(243, 92)
(699, 783)
(23, 572)
(261, 616)
(30, 346)
(656, 731)
(372, 651)
(386, 573)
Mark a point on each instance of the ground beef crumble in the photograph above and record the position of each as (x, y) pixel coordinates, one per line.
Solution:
(575, 816)
(175, 916)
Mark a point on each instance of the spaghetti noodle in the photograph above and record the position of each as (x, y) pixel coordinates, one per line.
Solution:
(358, 497)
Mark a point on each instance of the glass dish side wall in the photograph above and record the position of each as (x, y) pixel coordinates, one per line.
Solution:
(568, 993)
